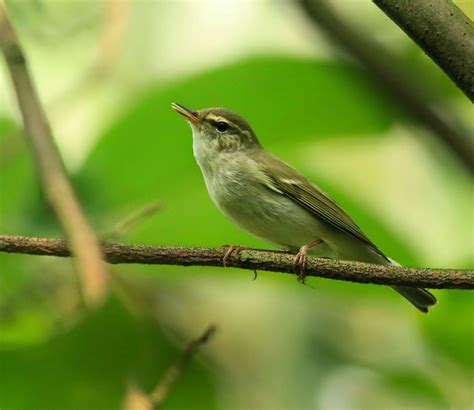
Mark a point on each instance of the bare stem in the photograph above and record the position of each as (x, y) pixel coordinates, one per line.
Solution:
(54, 180)
(160, 393)
(116, 253)
(123, 227)
(388, 73)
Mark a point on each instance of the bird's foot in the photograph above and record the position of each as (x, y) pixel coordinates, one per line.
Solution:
(299, 264)
(233, 250)
(301, 258)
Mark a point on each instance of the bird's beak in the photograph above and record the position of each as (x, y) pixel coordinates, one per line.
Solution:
(190, 115)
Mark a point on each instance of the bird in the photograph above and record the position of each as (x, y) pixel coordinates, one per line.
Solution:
(271, 200)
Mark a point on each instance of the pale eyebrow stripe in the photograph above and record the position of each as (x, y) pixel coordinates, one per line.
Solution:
(217, 118)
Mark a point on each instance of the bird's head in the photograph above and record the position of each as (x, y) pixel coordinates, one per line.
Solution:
(218, 130)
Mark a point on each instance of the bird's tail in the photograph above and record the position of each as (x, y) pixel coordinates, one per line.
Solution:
(422, 299)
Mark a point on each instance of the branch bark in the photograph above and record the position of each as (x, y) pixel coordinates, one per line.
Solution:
(397, 82)
(116, 253)
(444, 33)
(53, 176)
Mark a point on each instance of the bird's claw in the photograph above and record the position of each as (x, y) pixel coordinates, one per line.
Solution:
(299, 265)
(233, 249)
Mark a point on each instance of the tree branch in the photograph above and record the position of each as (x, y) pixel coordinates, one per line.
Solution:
(137, 399)
(54, 180)
(397, 82)
(160, 393)
(444, 33)
(116, 253)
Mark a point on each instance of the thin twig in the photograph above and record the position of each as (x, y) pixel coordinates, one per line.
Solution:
(137, 399)
(50, 167)
(116, 253)
(386, 70)
(443, 32)
(123, 227)
(160, 393)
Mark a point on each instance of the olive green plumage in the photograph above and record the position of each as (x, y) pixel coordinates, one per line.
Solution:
(271, 200)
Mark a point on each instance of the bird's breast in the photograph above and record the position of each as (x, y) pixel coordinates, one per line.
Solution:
(260, 211)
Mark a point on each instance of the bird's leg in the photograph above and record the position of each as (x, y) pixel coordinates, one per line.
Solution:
(236, 249)
(299, 264)
(233, 249)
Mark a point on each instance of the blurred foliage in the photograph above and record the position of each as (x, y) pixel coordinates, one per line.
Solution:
(90, 365)
(279, 345)
(146, 155)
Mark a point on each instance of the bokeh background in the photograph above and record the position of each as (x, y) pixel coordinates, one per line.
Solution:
(107, 72)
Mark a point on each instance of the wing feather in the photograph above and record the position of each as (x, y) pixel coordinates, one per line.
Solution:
(287, 181)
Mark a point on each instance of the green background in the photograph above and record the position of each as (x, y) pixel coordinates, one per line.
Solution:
(279, 344)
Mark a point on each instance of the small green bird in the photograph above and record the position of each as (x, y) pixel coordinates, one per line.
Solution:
(271, 200)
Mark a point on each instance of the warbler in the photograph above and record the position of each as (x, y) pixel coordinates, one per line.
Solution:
(271, 200)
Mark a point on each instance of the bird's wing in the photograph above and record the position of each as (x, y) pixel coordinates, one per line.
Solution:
(281, 178)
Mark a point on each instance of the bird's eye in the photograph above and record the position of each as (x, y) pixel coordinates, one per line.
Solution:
(222, 126)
